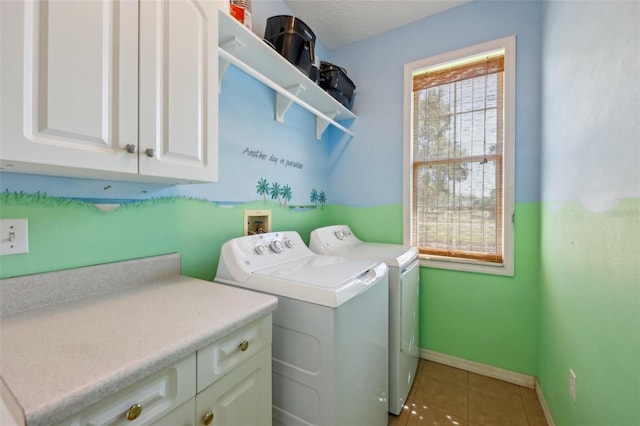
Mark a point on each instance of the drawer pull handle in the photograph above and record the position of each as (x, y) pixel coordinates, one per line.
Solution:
(244, 345)
(208, 418)
(134, 412)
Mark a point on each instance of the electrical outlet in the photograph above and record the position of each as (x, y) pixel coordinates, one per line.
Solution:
(14, 236)
(572, 385)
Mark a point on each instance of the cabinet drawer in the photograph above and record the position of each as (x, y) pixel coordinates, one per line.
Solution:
(223, 355)
(156, 395)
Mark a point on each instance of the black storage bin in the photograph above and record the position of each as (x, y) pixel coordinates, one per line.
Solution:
(334, 80)
(293, 39)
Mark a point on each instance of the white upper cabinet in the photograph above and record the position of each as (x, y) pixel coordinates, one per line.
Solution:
(69, 85)
(179, 89)
(110, 89)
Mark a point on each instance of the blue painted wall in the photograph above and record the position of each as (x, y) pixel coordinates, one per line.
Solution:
(372, 162)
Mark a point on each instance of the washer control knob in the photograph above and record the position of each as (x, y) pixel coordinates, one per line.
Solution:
(340, 235)
(276, 246)
(289, 243)
(261, 250)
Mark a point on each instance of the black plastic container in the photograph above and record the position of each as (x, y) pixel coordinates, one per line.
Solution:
(334, 80)
(293, 39)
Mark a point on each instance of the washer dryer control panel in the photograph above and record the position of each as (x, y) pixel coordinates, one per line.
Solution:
(338, 240)
(334, 237)
(273, 243)
(343, 234)
(242, 256)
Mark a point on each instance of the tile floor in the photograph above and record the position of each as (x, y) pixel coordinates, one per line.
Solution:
(443, 395)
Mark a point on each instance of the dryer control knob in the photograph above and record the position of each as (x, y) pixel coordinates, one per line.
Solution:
(340, 235)
(276, 246)
(261, 250)
(290, 243)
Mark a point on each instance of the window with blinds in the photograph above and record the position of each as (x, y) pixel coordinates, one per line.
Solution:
(457, 158)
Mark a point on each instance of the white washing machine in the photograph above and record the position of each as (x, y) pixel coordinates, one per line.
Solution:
(330, 346)
(404, 279)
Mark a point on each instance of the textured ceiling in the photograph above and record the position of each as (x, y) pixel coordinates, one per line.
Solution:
(339, 22)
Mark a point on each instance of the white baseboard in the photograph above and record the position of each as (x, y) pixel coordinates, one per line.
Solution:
(483, 369)
(543, 404)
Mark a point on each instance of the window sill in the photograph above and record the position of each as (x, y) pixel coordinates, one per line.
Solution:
(438, 262)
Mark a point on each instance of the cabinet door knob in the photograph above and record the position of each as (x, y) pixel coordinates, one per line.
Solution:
(131, 149)
(244, 345)
(150, 152)
(134, 412)
(208, 418)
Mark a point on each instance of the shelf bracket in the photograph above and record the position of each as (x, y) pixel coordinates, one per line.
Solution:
(230, 45)
(322, 123)
(283, 103)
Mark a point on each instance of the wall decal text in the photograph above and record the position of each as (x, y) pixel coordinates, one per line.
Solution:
(260, 155)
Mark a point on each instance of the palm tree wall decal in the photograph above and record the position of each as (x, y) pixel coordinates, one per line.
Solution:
(314, 197)
(286, 194)
(275, 192)
(322, 198)
(262, 188)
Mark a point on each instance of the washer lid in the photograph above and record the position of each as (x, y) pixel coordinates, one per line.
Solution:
(323, 280)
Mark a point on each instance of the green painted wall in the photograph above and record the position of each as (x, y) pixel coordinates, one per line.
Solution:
(484, 318)
(590, 313)
(66, 233)
(490, 319)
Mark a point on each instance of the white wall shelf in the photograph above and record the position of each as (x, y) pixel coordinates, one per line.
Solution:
(246, 51)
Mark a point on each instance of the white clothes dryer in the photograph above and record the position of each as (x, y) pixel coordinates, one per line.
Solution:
(330, 345)
(404, 290)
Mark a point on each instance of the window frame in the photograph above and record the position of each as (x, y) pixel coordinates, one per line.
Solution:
(508, 186)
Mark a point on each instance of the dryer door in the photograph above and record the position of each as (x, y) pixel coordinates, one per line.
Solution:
(409, 306)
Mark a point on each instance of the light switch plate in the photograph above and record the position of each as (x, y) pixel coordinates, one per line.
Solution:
(14, 236)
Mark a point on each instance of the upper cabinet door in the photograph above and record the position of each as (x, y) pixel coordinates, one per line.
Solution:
(69, 85)
(179, 89)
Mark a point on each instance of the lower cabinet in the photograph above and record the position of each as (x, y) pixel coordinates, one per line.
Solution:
(228, 383)
(241, 397)
(181, 416)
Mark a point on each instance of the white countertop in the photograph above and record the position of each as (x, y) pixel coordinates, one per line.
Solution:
(59, 359)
